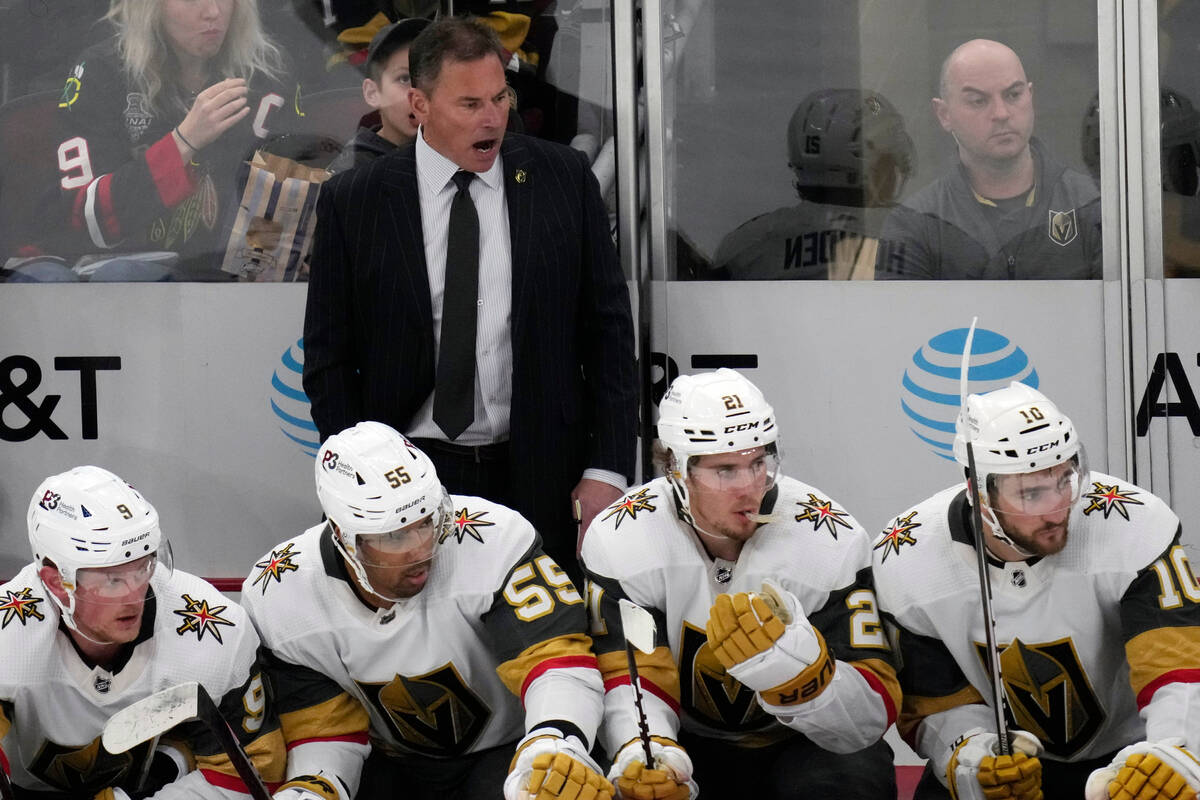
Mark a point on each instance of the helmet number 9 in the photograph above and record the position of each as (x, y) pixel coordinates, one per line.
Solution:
(1033, 414)
(396, 477)
(125, 512)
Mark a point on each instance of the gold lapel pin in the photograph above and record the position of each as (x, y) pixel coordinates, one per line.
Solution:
(519, 176)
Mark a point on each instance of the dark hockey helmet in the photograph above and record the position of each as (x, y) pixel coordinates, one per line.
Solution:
(850, 139)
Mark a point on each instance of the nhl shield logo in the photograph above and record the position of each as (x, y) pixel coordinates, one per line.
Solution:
(1061, 228)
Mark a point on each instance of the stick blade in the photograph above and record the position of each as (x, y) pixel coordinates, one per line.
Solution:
(149, 717)
(638, 625)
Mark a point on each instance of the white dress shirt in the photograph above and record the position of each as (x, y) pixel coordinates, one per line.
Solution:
(493, 337)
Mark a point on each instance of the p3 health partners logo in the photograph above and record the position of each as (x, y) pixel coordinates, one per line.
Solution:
(930, 390)
(290, 404)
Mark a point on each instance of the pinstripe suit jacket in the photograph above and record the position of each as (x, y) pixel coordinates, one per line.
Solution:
(368, 329)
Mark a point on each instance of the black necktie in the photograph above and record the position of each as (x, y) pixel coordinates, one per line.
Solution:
(454, 392)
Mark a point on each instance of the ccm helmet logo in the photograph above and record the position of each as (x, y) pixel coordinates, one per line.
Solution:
(50, 500)
(1042, 448)
(329, 460)
(745, 426)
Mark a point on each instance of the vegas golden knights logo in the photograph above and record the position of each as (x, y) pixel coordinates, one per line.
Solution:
(1049, 694)
(436, 713)
(84, 770)
(1061, 227)
(709, 692)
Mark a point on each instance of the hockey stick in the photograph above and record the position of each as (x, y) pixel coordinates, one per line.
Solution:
(985, 580)
(153, 716)
(638, 626)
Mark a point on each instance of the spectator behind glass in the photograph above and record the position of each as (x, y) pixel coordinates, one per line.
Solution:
(1179, 144)
(156, 121)
(1007, 209)
(851, 157)
(386, 90)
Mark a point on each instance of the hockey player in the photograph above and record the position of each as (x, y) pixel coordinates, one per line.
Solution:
(422, 623)
(769, 649)
(100, 620)
(1096, 611)
(851, 157)
(156, 122)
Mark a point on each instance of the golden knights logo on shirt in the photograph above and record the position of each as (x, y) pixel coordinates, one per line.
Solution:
(708, 691)
(466, 524)
(897, 534)
(275, 565)
(435, 713)
(83, 770)
(629, 506)
(1049, 693)
(1061, 227)
(822, 514)
(1107, 499)
(200, 619)
(19, 607)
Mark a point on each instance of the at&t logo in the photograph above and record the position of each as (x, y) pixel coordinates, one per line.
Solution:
(930, 389)
(290, 404)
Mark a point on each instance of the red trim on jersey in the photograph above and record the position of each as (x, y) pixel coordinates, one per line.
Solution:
(563, 662)
(78, 210)
(106, 213)
(623, 680)
(354, 738)
(876, 684)
(4, 763)
(171, 176)
(1174, 676)
(232, 782)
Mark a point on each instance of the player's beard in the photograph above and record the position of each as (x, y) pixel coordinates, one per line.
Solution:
(1046, 540)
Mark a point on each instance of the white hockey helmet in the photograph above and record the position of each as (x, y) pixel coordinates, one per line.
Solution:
(88, 518)
(375, 486)
(1018, 431)
(714, 412)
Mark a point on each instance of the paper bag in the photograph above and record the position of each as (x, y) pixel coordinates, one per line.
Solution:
(273, 230)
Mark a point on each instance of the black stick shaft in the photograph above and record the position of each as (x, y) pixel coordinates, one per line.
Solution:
(989, 617)
(233, 748)
(643, 726)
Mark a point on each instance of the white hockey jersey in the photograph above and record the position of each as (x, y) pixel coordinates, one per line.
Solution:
(641, 550)
(53, 706)
(440, 674)
(1088, 636)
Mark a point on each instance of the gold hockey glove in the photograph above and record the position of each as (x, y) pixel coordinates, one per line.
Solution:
(1147, 771)
(975, 772)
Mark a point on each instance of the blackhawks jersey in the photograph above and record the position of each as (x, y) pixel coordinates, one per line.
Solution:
(810, 240)
(437, 675)
(1089, 636)
(53, 705)
(640, 549)
(122, 184)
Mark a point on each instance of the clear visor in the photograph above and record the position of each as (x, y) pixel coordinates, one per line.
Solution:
(122, 583)
(408, 547)
(1048, 491)
(756, 468)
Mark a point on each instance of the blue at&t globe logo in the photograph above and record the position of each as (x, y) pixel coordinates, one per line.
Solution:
(290, 404)
(930, 389)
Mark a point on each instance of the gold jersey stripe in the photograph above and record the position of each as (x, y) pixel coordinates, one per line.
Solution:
(885, 673)
(1154, 653)
(267, 753)
(516, 671)
(341, 715)
(917, 708)
(657, 668)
